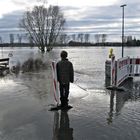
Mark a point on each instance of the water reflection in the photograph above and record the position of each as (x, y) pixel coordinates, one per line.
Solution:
(110, 114)
(118, 99)
(62, 130)
(6, 82)
(30, 65)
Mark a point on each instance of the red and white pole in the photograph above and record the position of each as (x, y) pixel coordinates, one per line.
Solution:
(55, 82)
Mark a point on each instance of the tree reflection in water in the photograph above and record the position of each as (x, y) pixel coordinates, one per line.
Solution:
(61, 129)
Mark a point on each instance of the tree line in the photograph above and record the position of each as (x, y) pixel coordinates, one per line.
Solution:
(62, 39)
(79, 39)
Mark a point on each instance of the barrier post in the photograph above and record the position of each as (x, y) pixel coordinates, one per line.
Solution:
(123, 69)
(137, 65)
(113, 71)
(55, 82)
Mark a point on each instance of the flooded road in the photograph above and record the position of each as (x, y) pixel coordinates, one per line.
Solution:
(96, 114)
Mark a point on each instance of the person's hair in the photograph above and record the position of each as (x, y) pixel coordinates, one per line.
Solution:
(64, 54)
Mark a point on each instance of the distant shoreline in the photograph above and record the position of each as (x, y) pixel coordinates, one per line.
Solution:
(69, 45)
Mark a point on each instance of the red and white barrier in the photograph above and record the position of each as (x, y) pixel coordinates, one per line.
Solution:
(55, 82)
(123, 70)
(126, 67)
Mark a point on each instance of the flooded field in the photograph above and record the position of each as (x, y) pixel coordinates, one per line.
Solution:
(97, 114)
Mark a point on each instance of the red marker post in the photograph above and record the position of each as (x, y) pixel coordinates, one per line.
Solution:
(55, 82)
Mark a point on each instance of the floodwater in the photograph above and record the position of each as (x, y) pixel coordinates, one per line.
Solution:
(97, 114)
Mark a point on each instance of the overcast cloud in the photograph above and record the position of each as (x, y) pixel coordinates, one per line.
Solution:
(103, 18)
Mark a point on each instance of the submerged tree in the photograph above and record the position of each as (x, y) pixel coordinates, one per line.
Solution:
(43, 25)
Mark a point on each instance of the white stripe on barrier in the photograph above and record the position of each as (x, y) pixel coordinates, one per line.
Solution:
(137, 66)
(55, 82)
(123, 69)
(132, 64)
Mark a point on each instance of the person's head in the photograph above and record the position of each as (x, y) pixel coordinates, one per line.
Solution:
(64, 54)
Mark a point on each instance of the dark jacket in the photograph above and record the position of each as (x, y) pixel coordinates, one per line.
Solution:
(65, 73)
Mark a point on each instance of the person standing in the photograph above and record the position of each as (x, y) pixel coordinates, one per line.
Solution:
(65, 75)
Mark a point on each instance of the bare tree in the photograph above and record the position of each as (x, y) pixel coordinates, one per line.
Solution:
(64, 39)
(73, 37)
(125, 39)
(104, 36)
(11, 36)
(97, 38)
(80, 37)
(1, 40)
(43, 25)
(129, 38)
(31, 41)
(86, 37)
(11, 39)
(19, 37)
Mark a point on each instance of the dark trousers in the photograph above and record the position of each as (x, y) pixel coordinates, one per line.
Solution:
(64, 93)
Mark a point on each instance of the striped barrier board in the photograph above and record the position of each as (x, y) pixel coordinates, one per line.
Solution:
(55, 82)
(126, 67)
(123, 70)
(135, 67)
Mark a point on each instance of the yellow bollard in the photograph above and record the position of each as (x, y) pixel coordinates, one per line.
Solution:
(111, 53)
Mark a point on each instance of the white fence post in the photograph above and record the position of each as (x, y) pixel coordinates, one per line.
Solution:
(123, 69)
(132, 64)
(55, 83)
(137, 67)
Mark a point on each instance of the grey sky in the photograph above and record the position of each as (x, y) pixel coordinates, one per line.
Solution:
(103, 18)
